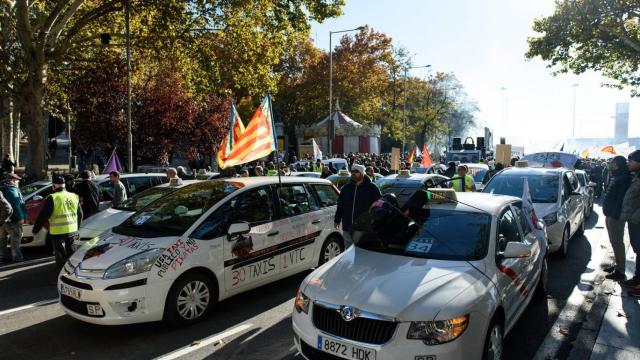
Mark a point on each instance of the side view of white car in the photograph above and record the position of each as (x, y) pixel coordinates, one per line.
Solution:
(205, 242)
(450, 285)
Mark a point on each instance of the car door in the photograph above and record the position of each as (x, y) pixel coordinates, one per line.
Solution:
(36, 203)
(576, 203)
(532, 264)
(510, 277)
(302, 223)
(137, 184)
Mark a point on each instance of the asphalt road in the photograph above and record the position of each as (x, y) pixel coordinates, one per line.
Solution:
(254, 325)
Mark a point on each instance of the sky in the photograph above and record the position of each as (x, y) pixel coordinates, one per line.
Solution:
(483, 43)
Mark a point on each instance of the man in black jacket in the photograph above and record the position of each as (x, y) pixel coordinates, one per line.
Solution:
(89, 194)
(619, 182)
(355, 198)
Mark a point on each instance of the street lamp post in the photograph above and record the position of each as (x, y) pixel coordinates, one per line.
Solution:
(575, 88)
(404, 105)
(129, 134)
(330, 128)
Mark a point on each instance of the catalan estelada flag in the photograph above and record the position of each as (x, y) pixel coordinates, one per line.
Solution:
(426, 157)
(236, 129)
(257, 141)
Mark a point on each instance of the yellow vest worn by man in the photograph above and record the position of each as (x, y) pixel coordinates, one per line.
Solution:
(457, 183)
(64, 218)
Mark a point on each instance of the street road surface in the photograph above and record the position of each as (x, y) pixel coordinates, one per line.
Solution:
(254, 325)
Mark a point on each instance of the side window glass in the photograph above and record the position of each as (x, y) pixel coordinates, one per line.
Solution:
(138, 184)
(295, 200)
(215, 225)
(507, 230)
(327, 194)
(253, 206)
(106, 191)
(522, 218)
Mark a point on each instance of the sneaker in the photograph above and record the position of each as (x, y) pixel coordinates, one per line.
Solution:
(616, 276)
(631, 283)
(609, 269)
(635, 292)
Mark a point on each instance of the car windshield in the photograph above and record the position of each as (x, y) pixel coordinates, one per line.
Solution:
(173, 214)
(144, 198)
(542, 187)
(30, 189)
(435, 239)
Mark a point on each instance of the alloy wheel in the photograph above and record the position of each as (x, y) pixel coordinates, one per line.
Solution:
(193, 300)
(332, 250)
(494, 348)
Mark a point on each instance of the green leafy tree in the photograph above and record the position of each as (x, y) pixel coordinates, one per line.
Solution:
(599, 35)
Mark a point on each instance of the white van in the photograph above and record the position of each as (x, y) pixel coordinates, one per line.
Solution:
(179, 255)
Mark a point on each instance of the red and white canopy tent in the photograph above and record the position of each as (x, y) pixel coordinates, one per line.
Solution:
(350, 136)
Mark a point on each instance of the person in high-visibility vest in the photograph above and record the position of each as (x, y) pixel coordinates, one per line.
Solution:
(317, 167)
(63, 212)
(462, 181)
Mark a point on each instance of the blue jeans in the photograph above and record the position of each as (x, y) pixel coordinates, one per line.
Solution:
(634, 239)
(11, 232)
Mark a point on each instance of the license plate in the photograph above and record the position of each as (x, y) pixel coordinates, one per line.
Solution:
(345, 350)
(95, 310)
(70, 291)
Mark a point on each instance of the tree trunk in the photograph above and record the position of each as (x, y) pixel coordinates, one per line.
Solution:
(32, 114)
(6, 126)
(17, 132)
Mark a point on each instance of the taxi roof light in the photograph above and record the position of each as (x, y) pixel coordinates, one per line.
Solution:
(443, 195)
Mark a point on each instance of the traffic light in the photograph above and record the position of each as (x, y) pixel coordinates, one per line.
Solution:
(105, 38)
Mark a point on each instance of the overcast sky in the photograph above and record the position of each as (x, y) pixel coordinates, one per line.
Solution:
(483, 42)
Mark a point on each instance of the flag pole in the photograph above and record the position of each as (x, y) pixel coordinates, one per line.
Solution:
(275, 138)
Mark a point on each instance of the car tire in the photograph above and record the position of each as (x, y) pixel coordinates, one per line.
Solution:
(564, 246)
(190, 299)
(493, 343)
(541, 289)
(332, 247)
(580, 231)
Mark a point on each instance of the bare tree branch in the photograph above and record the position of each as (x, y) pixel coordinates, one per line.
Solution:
(61, 23)
(51, 19)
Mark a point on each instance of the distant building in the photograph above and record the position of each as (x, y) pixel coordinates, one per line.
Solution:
(622, 121)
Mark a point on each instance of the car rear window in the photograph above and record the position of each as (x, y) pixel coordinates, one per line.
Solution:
(542, 187)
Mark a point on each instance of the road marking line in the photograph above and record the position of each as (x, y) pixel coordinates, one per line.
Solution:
(206, 342)
(37, 304)
(25, 263)
(17, 270)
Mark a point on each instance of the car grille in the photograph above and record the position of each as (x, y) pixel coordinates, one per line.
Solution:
(312, 353)
(360, 329)
(74, 283)
(78, 306)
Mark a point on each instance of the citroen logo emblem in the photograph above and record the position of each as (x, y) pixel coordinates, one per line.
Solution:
(348, 313)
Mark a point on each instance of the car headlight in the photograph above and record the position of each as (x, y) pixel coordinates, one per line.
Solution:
(301, 303)
(551, 219)
(438, 332)
(133, 265)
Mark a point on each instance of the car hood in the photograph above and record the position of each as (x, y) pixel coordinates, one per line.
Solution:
(544, 209)
(401, 287)
(111, 248)
(102, 221)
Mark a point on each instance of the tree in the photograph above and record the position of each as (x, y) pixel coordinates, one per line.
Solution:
(599, 35)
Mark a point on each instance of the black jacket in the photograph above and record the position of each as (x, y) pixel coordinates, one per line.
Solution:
(355, 200)
(89, 194)
(46, 212)
(613, 196)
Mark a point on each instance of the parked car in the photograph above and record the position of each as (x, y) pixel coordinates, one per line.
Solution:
(310, 174)
(453, 287)
(133, 183)
(178, 256)
(338, 163)
(556, 200)
(34, 195)
(98, 223)
(587, 189)
(404, 184)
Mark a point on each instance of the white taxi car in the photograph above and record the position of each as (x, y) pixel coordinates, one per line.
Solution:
(450, 289)
(205, 242)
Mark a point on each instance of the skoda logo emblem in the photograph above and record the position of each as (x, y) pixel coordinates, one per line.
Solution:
(348, 313)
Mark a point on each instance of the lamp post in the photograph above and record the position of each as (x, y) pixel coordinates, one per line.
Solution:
(575, 89)
(330, 129)
(404, 105)
(129, 133)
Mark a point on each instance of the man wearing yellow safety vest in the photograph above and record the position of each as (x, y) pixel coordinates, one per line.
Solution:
(462, 181)
(317, 167)
(63, 212)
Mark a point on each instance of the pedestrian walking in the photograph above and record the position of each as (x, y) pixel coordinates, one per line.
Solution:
(356, 197)
(631, 214)
(317, 166)
(119, 191)
(13, 213)
(89, 194)
(612, 208)
(63, 212)
(462, 181)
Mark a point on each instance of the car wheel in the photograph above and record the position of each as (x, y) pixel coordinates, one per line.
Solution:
(580, 231)
(564, 247)
(331, 248)
(541, 290)
(190, 299)
(493, 342)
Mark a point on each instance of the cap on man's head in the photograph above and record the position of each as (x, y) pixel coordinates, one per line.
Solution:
(57, 180)
(635, 156)
(357, 167)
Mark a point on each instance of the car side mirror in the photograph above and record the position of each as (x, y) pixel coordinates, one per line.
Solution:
(239, 228)
(516, 250)
(37, 198)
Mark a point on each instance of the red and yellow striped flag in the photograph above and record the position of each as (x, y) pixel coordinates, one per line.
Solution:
(258, 139)
(236, 129)
(426, 157)
(412, 154)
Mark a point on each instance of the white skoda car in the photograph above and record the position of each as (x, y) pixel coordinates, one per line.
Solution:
(179, 255)
(450, 285)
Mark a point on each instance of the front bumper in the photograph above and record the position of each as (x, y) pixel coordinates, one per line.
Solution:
(131, 301)
(468, 346)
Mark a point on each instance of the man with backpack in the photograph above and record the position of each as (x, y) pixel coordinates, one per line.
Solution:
(13, 214)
